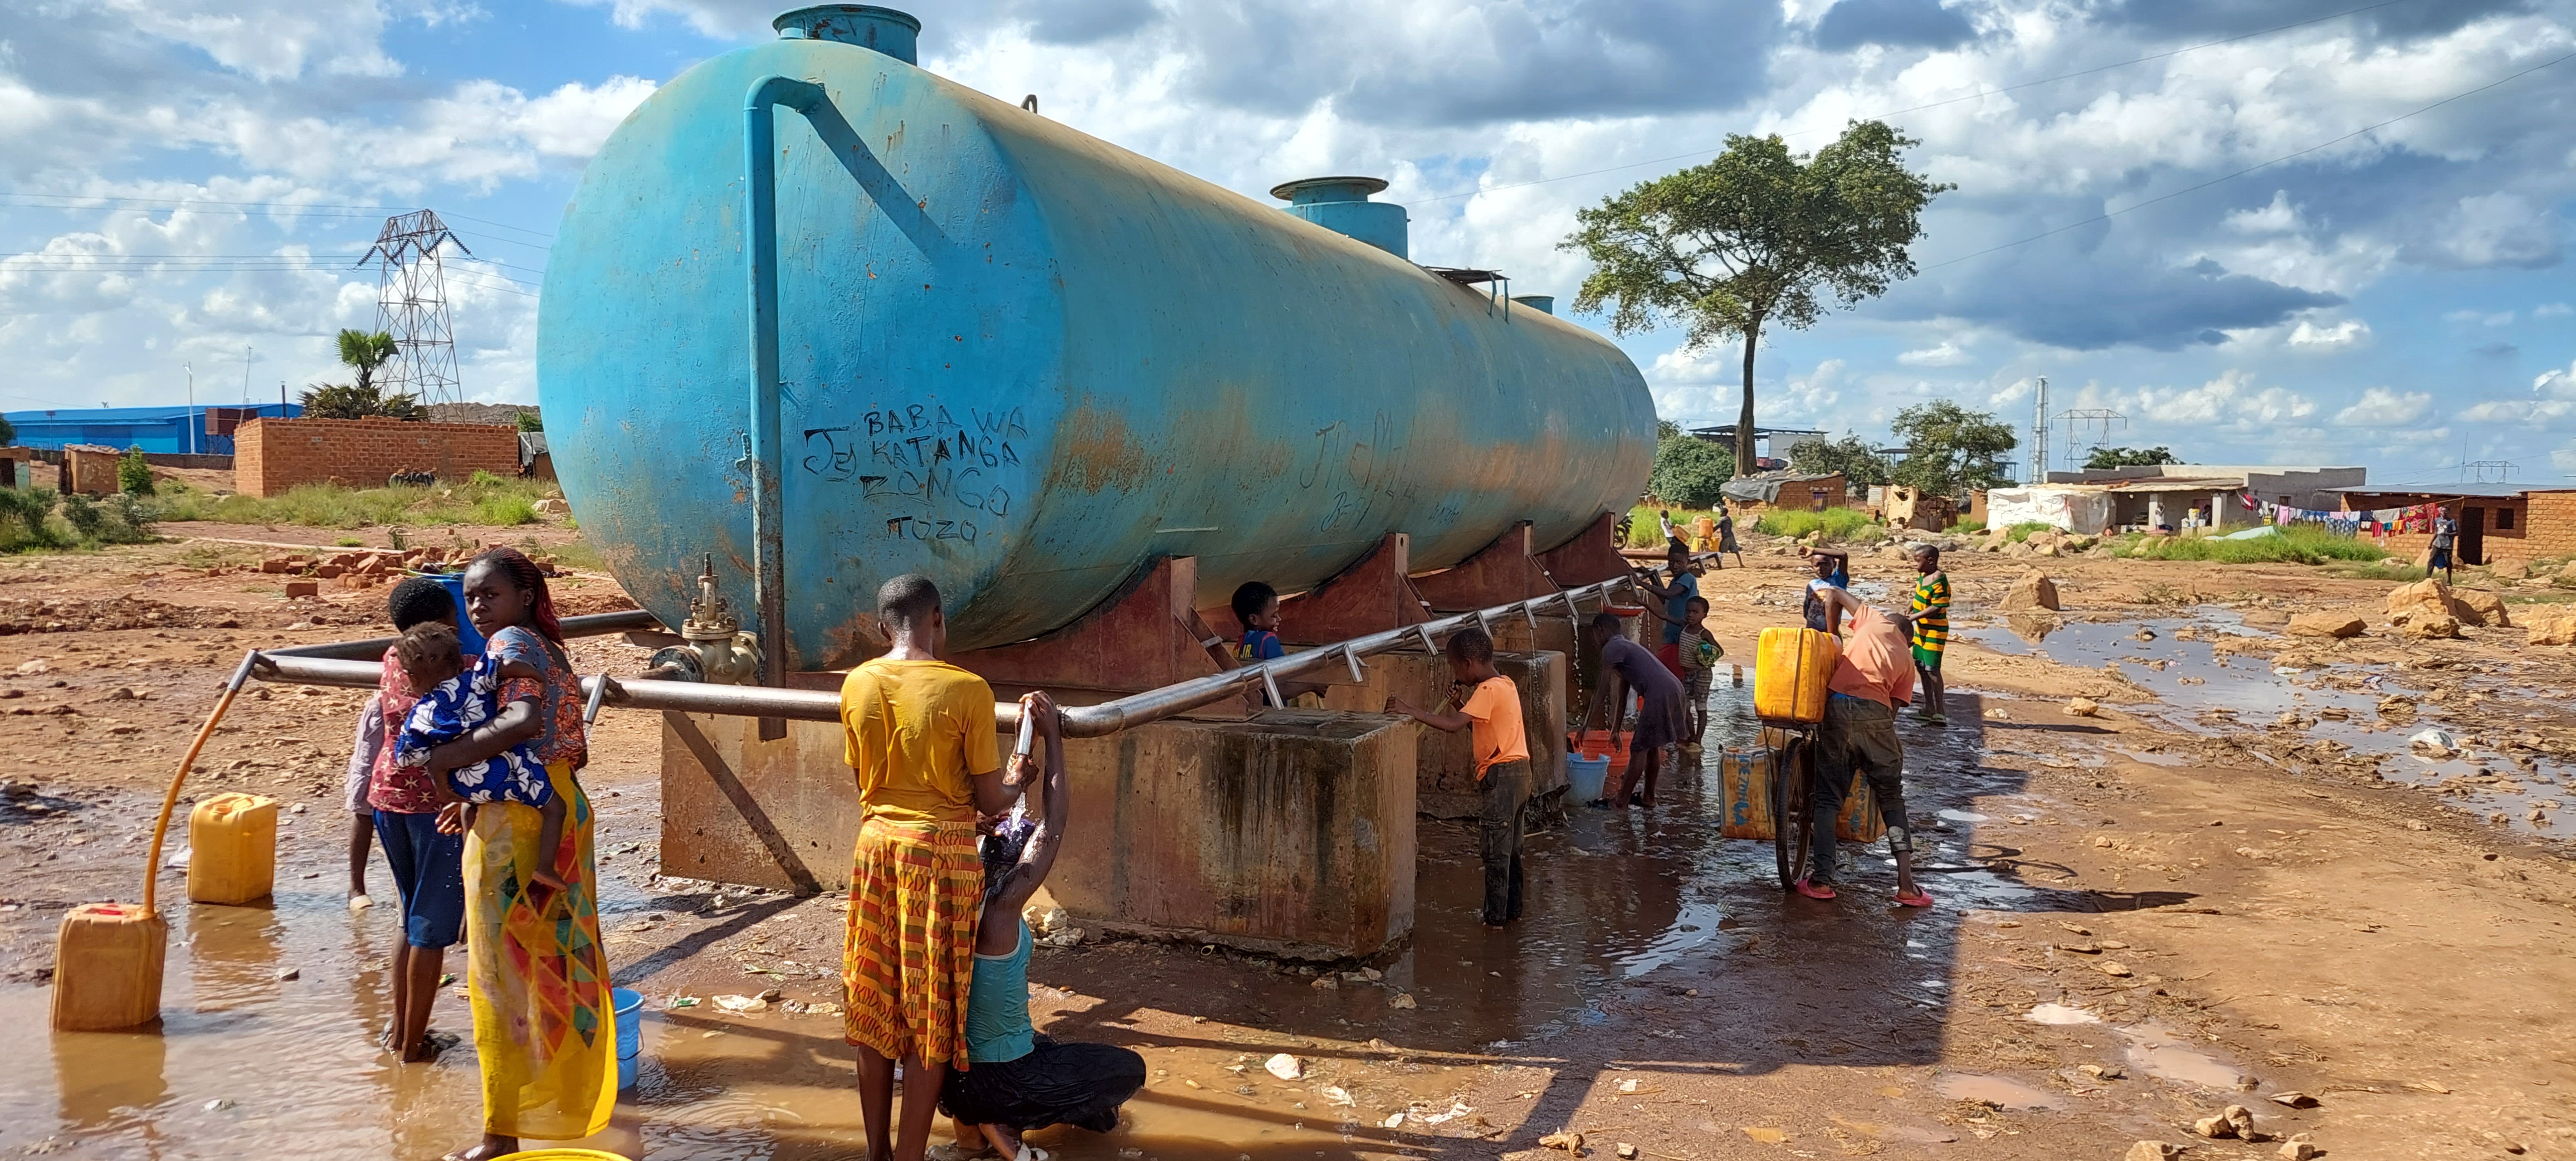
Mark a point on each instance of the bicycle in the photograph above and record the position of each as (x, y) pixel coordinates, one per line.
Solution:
(1792, 782)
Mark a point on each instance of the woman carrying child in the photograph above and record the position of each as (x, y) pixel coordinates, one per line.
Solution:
(543, 1025)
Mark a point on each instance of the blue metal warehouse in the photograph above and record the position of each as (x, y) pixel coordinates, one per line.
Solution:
(176, 430)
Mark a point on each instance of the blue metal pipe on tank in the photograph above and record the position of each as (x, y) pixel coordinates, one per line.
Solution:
(1021, 361)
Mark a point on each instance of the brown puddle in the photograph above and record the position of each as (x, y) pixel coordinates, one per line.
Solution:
(1625, 909)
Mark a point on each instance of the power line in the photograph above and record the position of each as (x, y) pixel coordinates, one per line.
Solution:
(147, 260)
(1978, 95)
(300, 209)
(2104, 217)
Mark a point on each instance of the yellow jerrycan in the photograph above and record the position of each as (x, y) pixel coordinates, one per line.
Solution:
(1790, 668)
(232, 849)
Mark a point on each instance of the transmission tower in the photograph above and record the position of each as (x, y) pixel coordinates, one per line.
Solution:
(2039, 434)
(411, 305)
(2104, 417)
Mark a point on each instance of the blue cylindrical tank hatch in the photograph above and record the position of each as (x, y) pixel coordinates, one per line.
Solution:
(1342, 205)
(1545, 303)
(893, 33)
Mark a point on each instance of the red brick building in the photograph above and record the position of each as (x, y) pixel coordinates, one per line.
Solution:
(273, 455)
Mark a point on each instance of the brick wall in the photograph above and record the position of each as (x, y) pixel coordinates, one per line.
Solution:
(2550, 518)
(272, 455)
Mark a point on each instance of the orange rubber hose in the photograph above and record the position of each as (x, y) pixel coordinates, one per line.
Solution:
(170, 801)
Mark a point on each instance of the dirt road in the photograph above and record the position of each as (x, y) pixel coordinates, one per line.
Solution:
(2235, 881)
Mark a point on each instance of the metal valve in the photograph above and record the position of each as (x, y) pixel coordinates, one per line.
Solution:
(719, 651)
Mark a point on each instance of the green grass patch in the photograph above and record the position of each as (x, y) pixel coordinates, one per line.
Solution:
(2295, 544)
(1965, 527)
(1837, 523)
(485, 500)
(2020, 532)
(1643, 532)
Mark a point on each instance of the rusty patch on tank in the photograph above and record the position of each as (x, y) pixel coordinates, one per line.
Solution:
(1098, 453)
(853, 640)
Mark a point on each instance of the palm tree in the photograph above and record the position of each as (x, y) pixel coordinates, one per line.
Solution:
(366, 352)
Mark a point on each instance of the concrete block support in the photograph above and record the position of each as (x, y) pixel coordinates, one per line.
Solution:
(1290, 834)
(1445, 763)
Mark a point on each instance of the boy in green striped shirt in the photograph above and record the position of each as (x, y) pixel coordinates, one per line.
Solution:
(1931, 635)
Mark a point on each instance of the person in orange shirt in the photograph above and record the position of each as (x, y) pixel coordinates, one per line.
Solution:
(1873, 678)
(1491, 710)
(918, 734)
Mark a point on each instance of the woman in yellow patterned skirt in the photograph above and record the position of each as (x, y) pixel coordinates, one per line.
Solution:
(544, 1029)
(919, 735)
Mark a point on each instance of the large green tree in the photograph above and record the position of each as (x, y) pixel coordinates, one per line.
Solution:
(1689, 471)
(1759, 237)
(2129, 457)
(363, 352)
(1951, 450)
(1856, 460)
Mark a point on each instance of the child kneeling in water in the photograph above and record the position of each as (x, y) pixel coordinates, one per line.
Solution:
(458, 700)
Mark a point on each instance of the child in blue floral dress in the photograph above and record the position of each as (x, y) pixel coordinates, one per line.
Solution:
(459, 699)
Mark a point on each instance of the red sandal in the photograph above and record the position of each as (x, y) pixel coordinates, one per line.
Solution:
(1920, 898)
(1814, 890)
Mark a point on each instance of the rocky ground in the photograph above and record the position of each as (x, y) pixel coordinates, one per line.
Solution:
(2185, 857)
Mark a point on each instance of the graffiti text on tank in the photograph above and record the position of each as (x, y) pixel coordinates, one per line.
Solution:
(918, 456)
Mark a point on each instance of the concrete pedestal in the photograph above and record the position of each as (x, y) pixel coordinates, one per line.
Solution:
(1290, 834)
(1444, 764)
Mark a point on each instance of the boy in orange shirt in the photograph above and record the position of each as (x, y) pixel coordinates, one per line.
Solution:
(1491, 709)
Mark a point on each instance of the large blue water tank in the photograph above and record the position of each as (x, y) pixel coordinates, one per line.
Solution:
(1024, 361)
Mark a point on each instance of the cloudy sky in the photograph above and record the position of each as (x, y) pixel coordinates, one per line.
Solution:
(2305, 231)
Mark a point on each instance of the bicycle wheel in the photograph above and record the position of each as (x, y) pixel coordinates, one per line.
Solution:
(1789, 787)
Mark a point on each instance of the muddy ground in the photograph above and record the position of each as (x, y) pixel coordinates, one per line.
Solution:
(2233, 882)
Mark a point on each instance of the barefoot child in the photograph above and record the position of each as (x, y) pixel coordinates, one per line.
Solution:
(1492, 712)
(458, 700)
(1699, 653)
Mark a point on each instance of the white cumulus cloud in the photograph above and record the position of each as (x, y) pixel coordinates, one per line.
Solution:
(2382, 407)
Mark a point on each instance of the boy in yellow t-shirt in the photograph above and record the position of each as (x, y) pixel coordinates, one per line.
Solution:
(918, 734)
(1491, 710)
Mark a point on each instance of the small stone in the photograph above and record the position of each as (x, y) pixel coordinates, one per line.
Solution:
(1401, 1000)
(1570, 1142)
(1327, 983)
(2298, 1151)
(1626, 1151)
(219, 1104)
(1285, 1067)
(2083, 707)
(2296, 1100)
(2151, 1151)
(2112, 967)
(285, 974)
(2214, 1128)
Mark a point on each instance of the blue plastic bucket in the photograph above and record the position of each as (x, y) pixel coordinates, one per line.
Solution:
(1586, 777)
(630, 1033)
(454, 583)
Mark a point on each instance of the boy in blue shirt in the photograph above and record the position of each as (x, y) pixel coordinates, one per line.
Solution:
(1256, 605)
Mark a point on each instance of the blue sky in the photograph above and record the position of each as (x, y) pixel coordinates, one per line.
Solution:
(2398, 298)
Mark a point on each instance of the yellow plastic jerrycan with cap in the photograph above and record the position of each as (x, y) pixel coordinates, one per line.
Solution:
(232, 849)
(1790, 669)
(107, 967)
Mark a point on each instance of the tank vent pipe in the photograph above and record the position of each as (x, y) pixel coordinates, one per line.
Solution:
(760, 242)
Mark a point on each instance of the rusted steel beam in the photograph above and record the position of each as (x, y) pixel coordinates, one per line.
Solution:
(1590, 558)
(1145, 637)
(1370, 596)
(1499, 573)
(591, 625)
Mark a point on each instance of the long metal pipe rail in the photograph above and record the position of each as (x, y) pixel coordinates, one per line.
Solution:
(332, 665)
